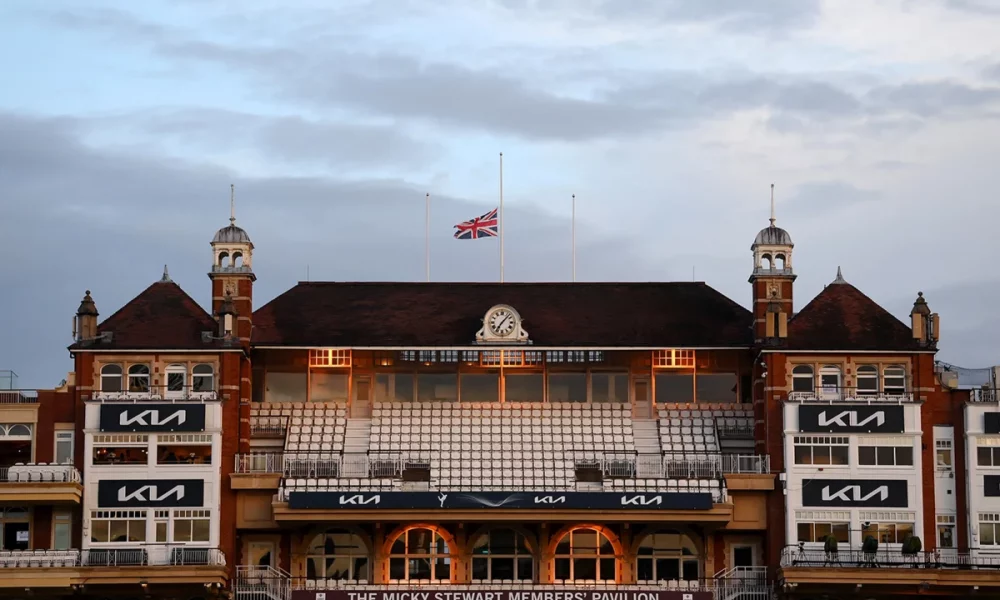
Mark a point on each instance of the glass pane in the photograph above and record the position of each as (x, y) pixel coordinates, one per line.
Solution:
(524, 387)
(480, 568)
(644, 569)
(64, 451)
(607, 569)
(420, 568)
(119, 531)
(802, 384)
(161, 531)
(674, 387)
(201, 530)
(904, 455)
(182, 530)
(480, 387)
(584, 542)
(568, 387)
(609, 387)
(393, 387)
(803, 455)
(325, 386)
(397, 568)
(442, 569)
(175, 382)
(62, 536)
(584, 568)
(285, 387)
(823, 530)
(136, 531)
(821, 455)
(885, 455)
(984, 456)
(842, 532)
(503, 568)
(717, 387)
(562, 568)
(437, 387)
(668, 569)
(361, 568)
(525, 569)
(838, 455)
(418, 541)
(866, 455)
(690, 570)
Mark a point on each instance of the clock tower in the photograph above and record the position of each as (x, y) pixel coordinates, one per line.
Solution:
(772, 280)
(232, 277)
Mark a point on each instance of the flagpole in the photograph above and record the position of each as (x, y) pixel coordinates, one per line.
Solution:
(501, 217)
(427, 236)
(574, 238)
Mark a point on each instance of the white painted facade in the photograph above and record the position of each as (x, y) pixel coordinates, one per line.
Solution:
(162, 525)
(982, 449)
(796, 474)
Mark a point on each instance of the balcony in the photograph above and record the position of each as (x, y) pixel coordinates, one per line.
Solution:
(41, 482)
(831, 394)
(979, 395)
(159, 393)
(775, 272)
(268, 427)
(18, 397)
(153, 564)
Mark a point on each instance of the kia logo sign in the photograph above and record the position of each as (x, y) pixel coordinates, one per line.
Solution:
(854, 493)
(152, 417)
(151, 493)
(837, 418)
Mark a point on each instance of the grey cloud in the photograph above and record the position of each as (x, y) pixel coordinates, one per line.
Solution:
(820, 198)
(985, 7)
(935, 99)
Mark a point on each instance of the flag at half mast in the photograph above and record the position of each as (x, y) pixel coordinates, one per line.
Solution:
(480, 227)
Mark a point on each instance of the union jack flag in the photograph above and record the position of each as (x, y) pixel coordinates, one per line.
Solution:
(484, 226)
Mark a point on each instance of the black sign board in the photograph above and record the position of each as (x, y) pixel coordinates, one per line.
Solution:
(532, 500)
(991, 486)
(151, 493)
(152, 417)
(991, 422)
(851, 418)
(447, 592)
(878, 493)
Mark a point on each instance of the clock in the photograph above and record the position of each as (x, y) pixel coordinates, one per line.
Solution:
(502, 322)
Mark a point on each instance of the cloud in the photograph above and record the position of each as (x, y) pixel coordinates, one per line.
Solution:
(936, 99)
(819, 198)
(982, 7)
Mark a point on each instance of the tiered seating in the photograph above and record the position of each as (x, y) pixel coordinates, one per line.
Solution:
(316, 429)
(12, 559)
(690, 428)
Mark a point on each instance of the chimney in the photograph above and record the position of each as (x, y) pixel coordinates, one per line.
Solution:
(85, 326)
(922, 322)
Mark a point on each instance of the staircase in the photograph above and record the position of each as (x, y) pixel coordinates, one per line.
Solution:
(358, 437)
(647, 436)
(261, 583)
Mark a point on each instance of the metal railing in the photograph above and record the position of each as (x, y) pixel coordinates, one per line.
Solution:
(142, 556)
(157, 393)
(763, 271)
(18, 397)
(261, 583)
(231, 269)
(984, 395)
(260, 462)
(39, 473)
(725, 427)
(794, 556)
(850, 394)
(261, 426)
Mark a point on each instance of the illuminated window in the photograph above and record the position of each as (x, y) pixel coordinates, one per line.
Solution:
(817, 532)
(337, 554)
(330, 358)
(420, 554)
(192, 525)
(667, 556)
(821, 450)
(502, 554)
(943, 455)
(673, 359)
(115, 526)
(585, 554)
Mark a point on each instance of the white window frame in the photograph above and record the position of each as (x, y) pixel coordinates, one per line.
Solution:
(64, 437)
(175, 370)
(62, 518)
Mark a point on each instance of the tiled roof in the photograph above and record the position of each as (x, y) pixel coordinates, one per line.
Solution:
(841, 317)
(555, 314)
(163, 316)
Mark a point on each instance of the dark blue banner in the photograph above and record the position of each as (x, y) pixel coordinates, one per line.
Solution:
(523, 500)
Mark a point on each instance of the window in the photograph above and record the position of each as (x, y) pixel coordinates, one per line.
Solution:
(829, 382)
(821, 450)
(15, 525)
(437, 387)
(567, 387)
(115, 526)
(337, 554)
(717, 388)
(609, 387)
(946, 531)
(480, 387)
(502, 554)
(202, 379)
(326, 386)
(64, 447)
(894, 380)
(802, 379)
(161, 524)
(867, 380)
(987, 456)
(176, 380)
(120, 455)
(817, 532)
(887, 533)
(111, 378)
(667, 556)
(989, 529)
(674, 387)
(285, 387)
(666, 359)
(138, 379)
(329, 358)
(192, 525)
(420, 554)
(885, 455)
(393, 387)
(182, 452)
(585, 554)
(943, 460)
(62, 531)
(524, 387)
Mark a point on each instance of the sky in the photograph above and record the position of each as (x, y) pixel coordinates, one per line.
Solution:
(122, 126)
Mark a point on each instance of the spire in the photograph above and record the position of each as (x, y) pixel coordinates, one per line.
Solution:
(840, 277)
(772, 205)
(166, 276)
(232, 204)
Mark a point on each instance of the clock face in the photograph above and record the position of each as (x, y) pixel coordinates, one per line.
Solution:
(502, 322)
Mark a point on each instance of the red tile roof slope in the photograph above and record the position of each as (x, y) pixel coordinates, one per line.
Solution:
(163, 316)
(841, 317)
(450, 314)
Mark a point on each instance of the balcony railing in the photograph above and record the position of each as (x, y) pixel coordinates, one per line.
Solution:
(850, 394)
(165, 555)
(262, 583)
(984, 395)
(18, 397)
(158, 393)
(39, 473)
(261, 426)
(766, 272)
(260, 462)
(793, 556)
(231, 269)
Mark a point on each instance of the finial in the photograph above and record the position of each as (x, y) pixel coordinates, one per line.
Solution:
(772, 205)
(840, 276)
(166, 276)
(232, 204)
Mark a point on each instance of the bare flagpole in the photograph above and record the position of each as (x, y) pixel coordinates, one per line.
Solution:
(574, 238)
(427, 236)
(501, 217)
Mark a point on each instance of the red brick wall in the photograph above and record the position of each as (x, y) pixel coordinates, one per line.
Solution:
(770, 428)
(53, 407)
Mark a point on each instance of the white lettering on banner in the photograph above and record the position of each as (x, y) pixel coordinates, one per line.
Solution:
(550, 499)
(641, 500)
(320, 595)
(154, 418)
(124, 496)
(360, 499)
(855, 490)
(852, 419)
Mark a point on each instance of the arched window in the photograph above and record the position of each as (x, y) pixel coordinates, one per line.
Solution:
(223, 259)
(829, 382)
(176, 380)
(138, 378)
(111, 378)
(765, 262)
(894, 380)
(237, 259)
(420, 554)
(585, 555)
(15, 430)
(337, 554)
(867, 380)
(502, 554)
(779, 261)
(203, 379)
(667, 555)
(803, 379)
